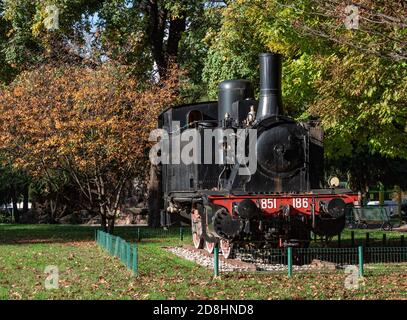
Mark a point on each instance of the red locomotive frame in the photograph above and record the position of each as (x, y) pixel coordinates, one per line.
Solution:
(271, 203)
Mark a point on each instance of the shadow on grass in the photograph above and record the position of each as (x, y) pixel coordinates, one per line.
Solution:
(47, 233)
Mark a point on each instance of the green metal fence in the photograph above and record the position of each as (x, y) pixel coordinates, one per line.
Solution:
(295, 260)
(161, 233)
(339, 256)
(385, 255)
(290, 260)
(367, 239)
(119, 248)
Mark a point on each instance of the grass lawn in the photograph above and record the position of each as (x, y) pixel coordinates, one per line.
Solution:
(87, 272)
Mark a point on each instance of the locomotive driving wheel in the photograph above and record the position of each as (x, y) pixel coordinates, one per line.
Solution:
(196, 227)
(209, 246)
(227, 248)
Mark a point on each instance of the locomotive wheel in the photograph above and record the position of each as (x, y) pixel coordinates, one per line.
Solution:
(387, 226)
(197, 240)
(227, 248)
(196, 227)
(209, 246)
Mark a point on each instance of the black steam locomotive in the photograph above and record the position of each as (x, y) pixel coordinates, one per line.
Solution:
(278, 203)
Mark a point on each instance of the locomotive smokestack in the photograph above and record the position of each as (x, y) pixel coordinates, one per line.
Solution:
(270, 102)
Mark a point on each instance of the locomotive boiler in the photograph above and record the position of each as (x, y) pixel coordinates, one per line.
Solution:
(275, 196)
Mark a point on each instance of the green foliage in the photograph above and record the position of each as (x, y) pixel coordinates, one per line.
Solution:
(193, 51)
(12, 183)
(359, 95)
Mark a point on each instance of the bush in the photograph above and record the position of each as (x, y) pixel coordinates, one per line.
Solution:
(5, 216)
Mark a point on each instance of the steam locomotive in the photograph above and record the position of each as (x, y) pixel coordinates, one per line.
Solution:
(277, 204)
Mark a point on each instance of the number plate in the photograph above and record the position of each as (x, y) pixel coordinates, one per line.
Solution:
(273, 203)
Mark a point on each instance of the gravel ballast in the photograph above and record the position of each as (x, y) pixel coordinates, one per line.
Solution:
(204, 259)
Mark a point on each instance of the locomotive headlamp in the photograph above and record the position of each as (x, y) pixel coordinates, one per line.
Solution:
(334, 182)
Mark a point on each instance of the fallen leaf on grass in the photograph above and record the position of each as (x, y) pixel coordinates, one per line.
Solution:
(16, 295)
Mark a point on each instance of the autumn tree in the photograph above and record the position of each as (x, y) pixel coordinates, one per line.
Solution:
(91, 124)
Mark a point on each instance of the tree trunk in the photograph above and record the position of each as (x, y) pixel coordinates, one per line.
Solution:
(110, 226)
(158, 22)
(156, 31)
(155, 197)
(177, 27)
(103, 222)
(16, 215)
(53, 206)
(26, 195)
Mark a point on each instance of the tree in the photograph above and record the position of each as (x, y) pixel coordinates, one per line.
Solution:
(145, 35)
(92, 124)
(353, 80)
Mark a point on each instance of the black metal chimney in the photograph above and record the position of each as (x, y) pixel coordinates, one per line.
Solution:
(270, 102)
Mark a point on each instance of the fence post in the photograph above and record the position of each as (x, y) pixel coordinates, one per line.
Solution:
(128, 247)
(121, 250)
(367, 239)
(352, 237)
(360, 255)
(216, 260)
(402, 241)
(116, 247)
(111, 245)
(138, 234)
(124, 252)
(339, 240)
(135, 259)
(108, 242)
(290, 261)
(384, 240)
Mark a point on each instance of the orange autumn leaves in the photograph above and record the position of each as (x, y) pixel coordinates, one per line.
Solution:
(89, 122)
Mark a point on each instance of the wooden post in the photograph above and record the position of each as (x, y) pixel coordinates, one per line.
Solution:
(367, 239)
(384, 240)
